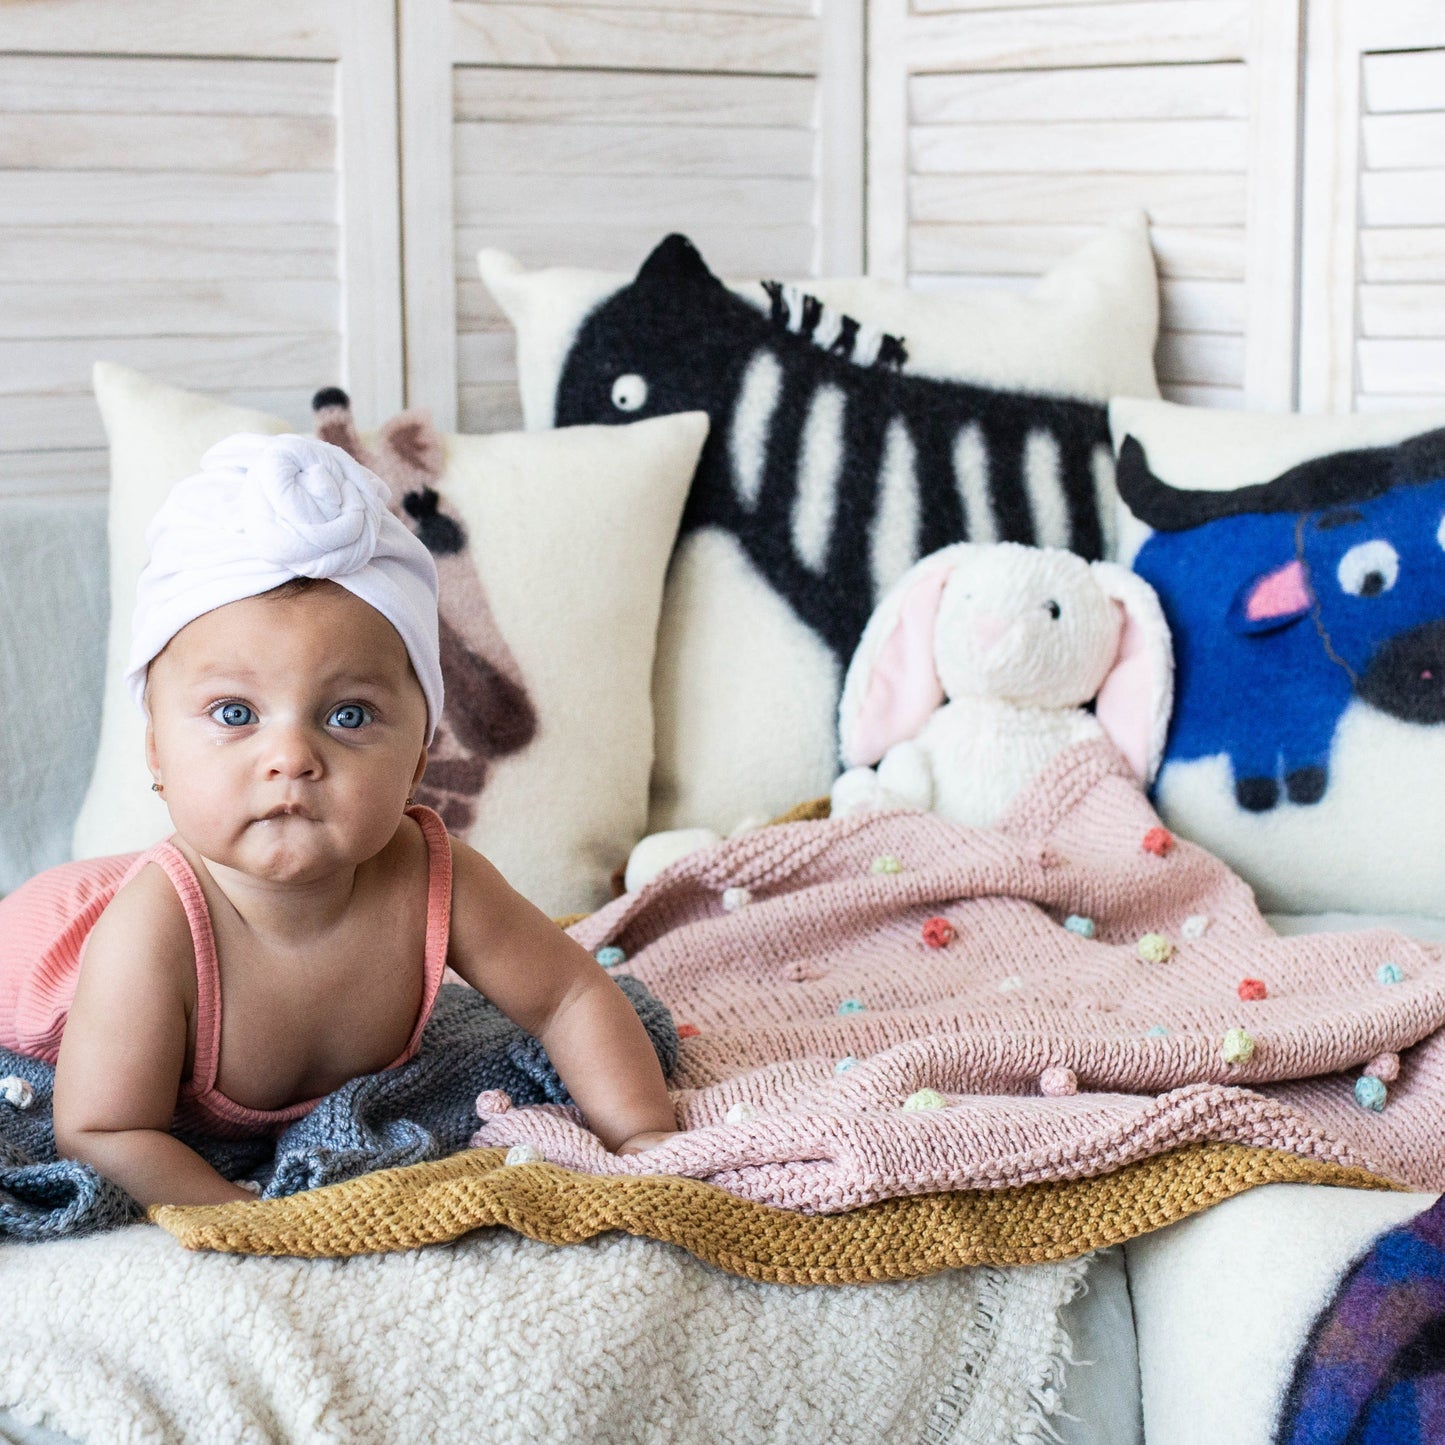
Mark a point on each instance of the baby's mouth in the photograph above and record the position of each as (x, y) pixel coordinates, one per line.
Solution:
(286, 810)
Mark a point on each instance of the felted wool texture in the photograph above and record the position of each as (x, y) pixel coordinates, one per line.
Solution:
(127, 1337)
(1224, 1302)
(829, 470)
(569, 533)
(1284, 757)
(829, 961)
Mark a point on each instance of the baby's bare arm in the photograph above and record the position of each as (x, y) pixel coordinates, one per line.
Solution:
(124, 1050)
(551, 986)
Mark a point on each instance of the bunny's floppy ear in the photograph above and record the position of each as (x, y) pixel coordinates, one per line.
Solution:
(892, 686)
(1137, 695)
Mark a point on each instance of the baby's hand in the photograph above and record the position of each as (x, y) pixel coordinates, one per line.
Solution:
(641, 1143)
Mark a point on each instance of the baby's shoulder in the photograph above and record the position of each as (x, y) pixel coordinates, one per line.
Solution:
(146, 922)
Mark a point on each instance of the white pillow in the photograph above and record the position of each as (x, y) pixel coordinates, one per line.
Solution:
(1286, 757)
(748, 672)
(570, 532)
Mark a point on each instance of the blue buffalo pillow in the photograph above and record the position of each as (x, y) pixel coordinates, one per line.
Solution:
(1300, 562)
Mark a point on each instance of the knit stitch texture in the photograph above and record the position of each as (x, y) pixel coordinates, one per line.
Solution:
(757, 991)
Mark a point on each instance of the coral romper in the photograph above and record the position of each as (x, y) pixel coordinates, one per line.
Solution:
(44, 926)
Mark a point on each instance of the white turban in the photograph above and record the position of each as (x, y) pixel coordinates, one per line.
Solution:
(265, 509)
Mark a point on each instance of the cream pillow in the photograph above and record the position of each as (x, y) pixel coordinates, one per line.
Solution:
(857, 426)
(570, 532)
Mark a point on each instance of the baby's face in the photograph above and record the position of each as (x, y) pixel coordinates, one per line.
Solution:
(288, 733)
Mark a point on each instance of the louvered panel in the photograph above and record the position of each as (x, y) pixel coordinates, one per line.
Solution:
(580, 135)
(217, 210)
(1373, 304)
(1000, 134)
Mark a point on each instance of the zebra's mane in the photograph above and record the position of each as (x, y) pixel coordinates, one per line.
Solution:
(793, 309)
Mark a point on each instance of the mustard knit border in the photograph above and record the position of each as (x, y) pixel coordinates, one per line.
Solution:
(397, 1209)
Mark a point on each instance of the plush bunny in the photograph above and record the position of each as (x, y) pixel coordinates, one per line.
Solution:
(1016, 639)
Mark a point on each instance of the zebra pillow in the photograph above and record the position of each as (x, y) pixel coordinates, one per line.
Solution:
(833, 464)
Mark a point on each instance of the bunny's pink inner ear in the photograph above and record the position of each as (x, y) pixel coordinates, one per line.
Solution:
(903, 687)
(1125, 704)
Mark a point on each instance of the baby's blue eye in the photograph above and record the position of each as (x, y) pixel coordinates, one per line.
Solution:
(233, 714)
(349, 715)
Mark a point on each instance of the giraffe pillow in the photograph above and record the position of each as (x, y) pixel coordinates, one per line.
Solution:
(855, 428)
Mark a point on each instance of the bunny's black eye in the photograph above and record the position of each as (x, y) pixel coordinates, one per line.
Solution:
(1053, 609)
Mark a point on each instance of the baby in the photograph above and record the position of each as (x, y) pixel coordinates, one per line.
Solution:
(293, 932)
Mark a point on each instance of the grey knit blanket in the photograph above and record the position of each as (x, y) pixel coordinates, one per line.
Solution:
(422, 1110)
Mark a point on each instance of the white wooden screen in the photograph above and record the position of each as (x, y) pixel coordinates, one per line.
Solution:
(580, 134)
(998, 135)
(1373, 305)
(204, 192)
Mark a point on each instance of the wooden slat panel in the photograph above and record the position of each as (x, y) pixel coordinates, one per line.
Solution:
(1191, 357)
(731, 7)
(1409, 368)
(1208, 306)
(936, 7)
(1397, 142)
(81, 198)
(487, 357)
(633, 39)
(212, 363)
(154, 253)
(476, 311)
(132, 84)
(1405, 254)
(1214, 253)
(488, 147)
(1082, 146)
(1183, 199)
(1409, 80)
(1417, 310)
(730, 250)
(54, 473)
(29, 423)
(235, 144)
(149, 308)
(1211, 254)
(684, 203)
(489, 408)
(301, 29)
(1403, 198)
(1113, 92)
(620, 98)
(1053, 37)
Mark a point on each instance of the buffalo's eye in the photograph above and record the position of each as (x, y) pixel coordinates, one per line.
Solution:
(1369, 568)
(629, 392)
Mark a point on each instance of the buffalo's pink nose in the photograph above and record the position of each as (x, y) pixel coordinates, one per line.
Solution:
(988, 627)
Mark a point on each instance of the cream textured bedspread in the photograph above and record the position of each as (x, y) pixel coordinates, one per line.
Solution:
(127, 1337)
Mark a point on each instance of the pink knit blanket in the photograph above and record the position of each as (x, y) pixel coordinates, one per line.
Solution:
(820, 1025)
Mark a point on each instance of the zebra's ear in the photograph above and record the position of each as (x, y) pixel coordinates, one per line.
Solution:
(892, 686)
(676, 261)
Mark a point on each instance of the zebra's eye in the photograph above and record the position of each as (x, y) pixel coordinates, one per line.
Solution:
(629, 392)
(1053, 609)
(1369, 568)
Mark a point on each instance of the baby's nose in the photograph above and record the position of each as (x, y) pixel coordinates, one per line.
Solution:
(292, 753)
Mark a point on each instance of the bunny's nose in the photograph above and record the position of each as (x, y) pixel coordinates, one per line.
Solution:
(988, 627)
